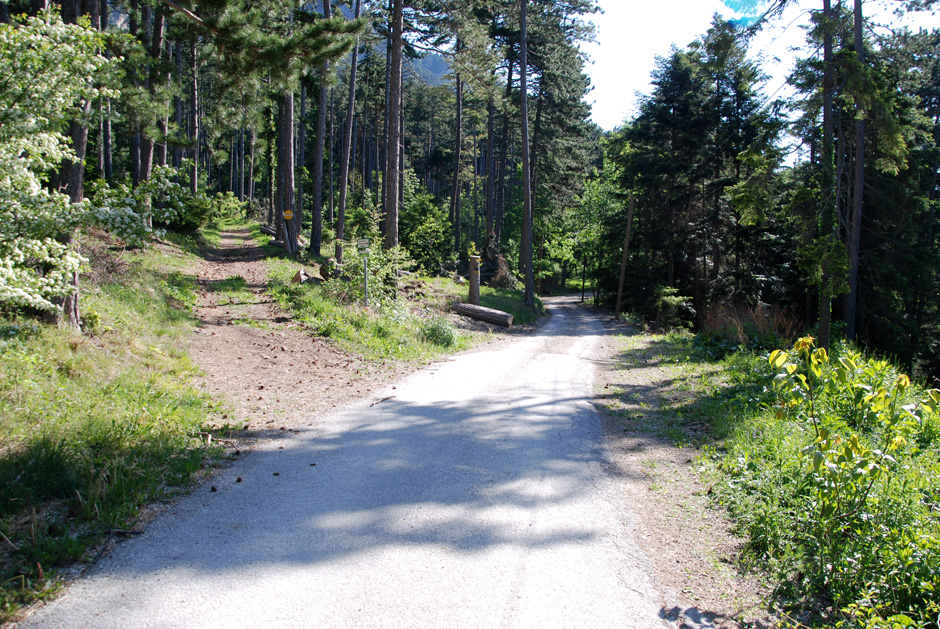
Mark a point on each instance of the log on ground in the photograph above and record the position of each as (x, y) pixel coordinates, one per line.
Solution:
(497, 317)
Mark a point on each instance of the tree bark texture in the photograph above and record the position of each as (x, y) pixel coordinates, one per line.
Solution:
(393, 124)
(347, 146)
(525, 250)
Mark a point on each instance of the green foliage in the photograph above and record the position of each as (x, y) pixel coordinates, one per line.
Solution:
(424, 227)
(389, 328)
(836, 484)
(93, 427)
(672, 309)
(48, 68)
(439, 331)
(130, 213)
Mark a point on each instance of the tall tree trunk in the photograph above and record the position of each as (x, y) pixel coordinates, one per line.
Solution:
(241, 165)
(476, 208)
(388, 86)
(153, 79)
(490, 191)
(285, 174)
(503, 157)
(194, 120)
(525, 252)
(347, 145)
(393, 124)
(458, 145)
(251, 166)
(332, 156)
(536, 136)
(316, 231)
(828, 211)
(854, 227)
(301, 161)
(178, 107)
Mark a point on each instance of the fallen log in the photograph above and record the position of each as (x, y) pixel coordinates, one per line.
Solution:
(268, 230)
(496, 317)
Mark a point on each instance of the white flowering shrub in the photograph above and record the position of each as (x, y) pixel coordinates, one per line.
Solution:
(47, 69)
(129, 213)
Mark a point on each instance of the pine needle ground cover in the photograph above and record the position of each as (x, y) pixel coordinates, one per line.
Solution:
(94, 426)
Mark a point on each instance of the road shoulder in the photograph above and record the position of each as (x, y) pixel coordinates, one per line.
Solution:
(692, 548)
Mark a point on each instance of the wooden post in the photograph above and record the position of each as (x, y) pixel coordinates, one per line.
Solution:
(623, 264)
(474, 297)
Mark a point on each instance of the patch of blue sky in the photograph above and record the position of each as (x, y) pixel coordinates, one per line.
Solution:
(746, 8)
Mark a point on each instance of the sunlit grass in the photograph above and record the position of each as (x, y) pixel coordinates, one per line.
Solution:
(94, 426)
(387, 329)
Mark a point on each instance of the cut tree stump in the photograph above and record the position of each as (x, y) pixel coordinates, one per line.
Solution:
(497, 317)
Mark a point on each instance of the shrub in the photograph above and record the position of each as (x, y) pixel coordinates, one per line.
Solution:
(42, 83)
(439, 331)
(837, 484)
(672, 309)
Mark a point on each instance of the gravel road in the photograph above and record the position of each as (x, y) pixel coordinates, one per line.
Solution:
(474, 493)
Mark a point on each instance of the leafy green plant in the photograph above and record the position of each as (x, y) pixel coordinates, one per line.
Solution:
(439, 331)
(836, 484)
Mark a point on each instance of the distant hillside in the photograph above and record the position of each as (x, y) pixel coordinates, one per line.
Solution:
(429, 69)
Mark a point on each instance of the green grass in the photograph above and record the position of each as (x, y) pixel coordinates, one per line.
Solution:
(388, 329)
(835, 495)
(94, 426)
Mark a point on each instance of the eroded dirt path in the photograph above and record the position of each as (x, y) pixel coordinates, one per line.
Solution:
(271, 372)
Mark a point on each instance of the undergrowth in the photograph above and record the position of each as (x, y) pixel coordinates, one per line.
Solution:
(831, 469)
(388, 328)
(94, 426)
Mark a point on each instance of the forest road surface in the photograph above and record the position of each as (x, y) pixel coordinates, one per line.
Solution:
(474, 493)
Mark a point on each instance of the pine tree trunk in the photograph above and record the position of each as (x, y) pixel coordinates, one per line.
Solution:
(854, 226)
(316, 231)
(251, 166)
(525, 253)
(827, 219)
(503, 157)
(490, 190)
(332, 156)
(153, 78)
(347, 145)
(458, 145)
(285, 174)
(194, 120)
(178, 107)
(393, 124)
(301, 161)
(388, 85)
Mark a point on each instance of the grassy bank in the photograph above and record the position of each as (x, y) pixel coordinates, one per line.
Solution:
(94, 426)
(829, 466)
(405, 318)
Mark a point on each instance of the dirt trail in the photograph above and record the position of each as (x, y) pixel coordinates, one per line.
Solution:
(271, 372)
